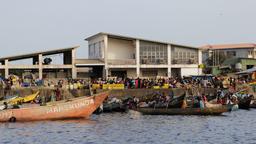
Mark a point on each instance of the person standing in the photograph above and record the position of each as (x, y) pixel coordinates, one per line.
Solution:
(58, 94)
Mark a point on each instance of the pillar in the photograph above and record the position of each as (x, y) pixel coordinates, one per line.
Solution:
(6, 68)
(74, 70)
(169, 60)
(40, 63)
(106, 56)
(199, 61)
(137, 43)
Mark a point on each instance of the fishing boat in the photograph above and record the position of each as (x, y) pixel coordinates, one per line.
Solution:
(77, 108)
(24, 99)
(244, 103)
(114, 107)
(177, 102)
(185, 111)
(8, 99)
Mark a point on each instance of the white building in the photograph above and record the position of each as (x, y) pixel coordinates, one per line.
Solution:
(123, 56)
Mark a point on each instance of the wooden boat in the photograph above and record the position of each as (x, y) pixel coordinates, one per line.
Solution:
(244, 103)
(253, 105)
(185, 111)
(78, 108)
(114, 107)
(24, 99)
(177, 102)
(8, 100)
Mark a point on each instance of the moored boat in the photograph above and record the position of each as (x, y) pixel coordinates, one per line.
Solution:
(8, 100)
(185, 111)
(77, 108)
(244, 103)
(24, 99)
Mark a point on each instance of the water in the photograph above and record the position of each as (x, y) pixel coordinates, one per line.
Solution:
(133, 128)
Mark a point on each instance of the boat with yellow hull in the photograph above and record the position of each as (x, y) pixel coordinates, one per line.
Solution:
(24, 99)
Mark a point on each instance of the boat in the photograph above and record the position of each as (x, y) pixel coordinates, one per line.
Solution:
(185, 111)
(24, 99)
(8, 100)
(177, 102)
(77, 108)
(114, 107)
(244, 103)
(252, 105)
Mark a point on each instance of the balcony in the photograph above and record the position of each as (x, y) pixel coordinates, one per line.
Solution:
(184, 61)
(122, 62)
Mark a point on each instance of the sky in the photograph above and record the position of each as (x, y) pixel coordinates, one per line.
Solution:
(34, 25)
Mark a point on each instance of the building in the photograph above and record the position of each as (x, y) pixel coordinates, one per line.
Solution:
(41, 64)
(112, 55)
(227, 58)
(217, 54)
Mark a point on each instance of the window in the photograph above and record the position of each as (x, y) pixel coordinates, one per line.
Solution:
(95, 50)
(152, 53)
(231, 53)
(181, 55)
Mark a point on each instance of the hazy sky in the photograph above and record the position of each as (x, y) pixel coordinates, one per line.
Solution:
(33, 25)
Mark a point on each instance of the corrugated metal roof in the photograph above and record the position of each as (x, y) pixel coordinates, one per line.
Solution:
(230, 46)
(134, 38)
(47, 52)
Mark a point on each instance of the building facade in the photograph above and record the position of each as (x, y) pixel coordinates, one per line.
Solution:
(123, 56)
(217, 54)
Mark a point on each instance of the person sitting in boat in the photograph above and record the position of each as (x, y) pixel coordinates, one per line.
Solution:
(201, 103)
(5, 106)
(219, 100)
(204, 98)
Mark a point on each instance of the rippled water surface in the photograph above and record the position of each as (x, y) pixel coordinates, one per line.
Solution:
(132, 128)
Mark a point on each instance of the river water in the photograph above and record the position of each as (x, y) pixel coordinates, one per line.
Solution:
(134, 128)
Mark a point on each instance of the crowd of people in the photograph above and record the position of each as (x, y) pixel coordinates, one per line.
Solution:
(175, 82)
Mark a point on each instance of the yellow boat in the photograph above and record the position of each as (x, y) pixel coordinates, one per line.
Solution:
(8, 100)
(24, 99)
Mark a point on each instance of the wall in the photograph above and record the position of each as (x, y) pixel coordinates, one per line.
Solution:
(131, 73)
(45, 92)
(240, 53)
(161, 72)
(189, 71)
(145, 92)
(120, 49)
(246, 62)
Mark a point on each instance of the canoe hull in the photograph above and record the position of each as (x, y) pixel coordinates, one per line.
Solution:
(78, 108)
(186, 111)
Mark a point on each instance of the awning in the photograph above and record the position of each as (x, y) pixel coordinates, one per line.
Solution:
(247, 71)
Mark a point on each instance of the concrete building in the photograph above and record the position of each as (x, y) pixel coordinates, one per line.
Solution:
(219, 53)
(112, 55)
(40, 65)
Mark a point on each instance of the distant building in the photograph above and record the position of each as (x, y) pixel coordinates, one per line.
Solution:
(229, 57)
(217, 54)
(112, 55)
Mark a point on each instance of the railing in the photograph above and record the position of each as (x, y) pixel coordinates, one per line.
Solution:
(153, 61)
(184, 61)
(122, 62)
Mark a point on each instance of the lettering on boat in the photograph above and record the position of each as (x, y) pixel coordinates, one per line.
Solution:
(5, 114)
(68, 107)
